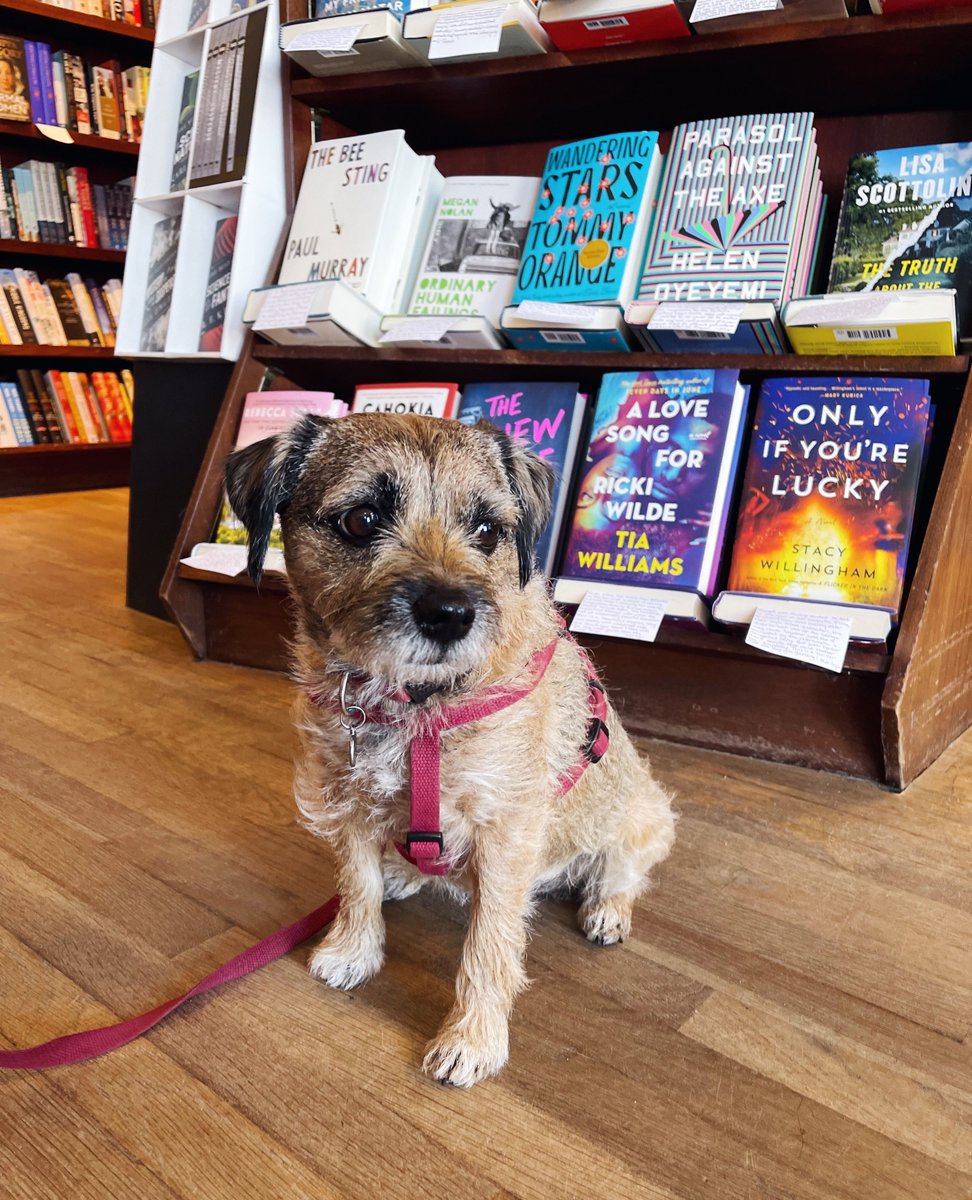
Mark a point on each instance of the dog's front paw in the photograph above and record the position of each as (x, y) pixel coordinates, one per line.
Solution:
(343, 966)
(605, 922)
(462, 1059)
(400, 880)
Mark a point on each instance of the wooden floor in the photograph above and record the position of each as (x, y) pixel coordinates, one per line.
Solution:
(790, 1019)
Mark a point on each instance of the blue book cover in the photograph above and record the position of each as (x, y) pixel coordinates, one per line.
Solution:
(337, 8)
(46, 72)
(546, 416)
(587, 237)
(751, 337)
(654, 494)
(567, 339)
(18, 418)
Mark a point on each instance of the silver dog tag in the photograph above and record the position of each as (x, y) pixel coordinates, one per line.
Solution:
(353, 718)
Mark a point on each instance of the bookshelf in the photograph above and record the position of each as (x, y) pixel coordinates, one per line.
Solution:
(51, 468)
(873, 81)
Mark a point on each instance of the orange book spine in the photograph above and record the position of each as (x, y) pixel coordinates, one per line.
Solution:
(59, 392)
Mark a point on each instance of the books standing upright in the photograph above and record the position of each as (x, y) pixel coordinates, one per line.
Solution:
(546, 416)
(654, 496)
(829, 497)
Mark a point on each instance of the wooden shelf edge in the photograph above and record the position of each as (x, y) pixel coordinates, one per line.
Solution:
(69, 250)
(81, 352)
(82, 141)
(72, 18)
(33, 470)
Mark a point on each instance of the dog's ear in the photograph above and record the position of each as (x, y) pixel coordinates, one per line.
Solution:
(260, 480)
(532, 482)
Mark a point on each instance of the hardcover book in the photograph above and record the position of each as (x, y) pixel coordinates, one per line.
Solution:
(587, 236)
(588, 24)
(378, 43)
(738, 211)
(14, 86)
(829, 493)
(158, 288)
(473, 253)
(519, 33)
(906, 223)
(426, 399)
(217, 287)
(338, 8)
(656, 489)
(105, 106)
(546, 416)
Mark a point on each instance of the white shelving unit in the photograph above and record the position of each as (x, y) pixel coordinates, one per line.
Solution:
(258, 198)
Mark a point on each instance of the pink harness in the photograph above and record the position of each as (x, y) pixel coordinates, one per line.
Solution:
(423, 847)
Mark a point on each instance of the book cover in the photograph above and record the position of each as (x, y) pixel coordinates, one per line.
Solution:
(588, 230)
(470, 263)
(426, 399)
(732, 209)
(588, 24)
(108, 119)
(14, 86)
(830, 487)
(158, 289)
(187, 110)
(546, 416)
(906, 222)
(656, 488)
(264, 415)
(217, 286)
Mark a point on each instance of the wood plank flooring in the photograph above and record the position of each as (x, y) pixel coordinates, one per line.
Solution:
(790, 1020)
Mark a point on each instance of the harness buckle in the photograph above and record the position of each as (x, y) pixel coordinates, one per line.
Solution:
(595, 728)
(419, 836)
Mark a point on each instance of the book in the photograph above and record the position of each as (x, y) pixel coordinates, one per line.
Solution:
(104, 106)
(426, 399)
(759, 331)
(911, 322)
(738, 211)
(587, 235)
(378, 43)
(14, 86)
(16, 429)
(589, 24)
(520, 32)
(264, 415)
(470, 262)
(566, 327)
(657, 485)
(829, 495)
(360, 214)
(784, 12)
(183, 142)
(905, 222)
(338, 8)
(67, 309)
(549, 418)
(462, 333)
(217, 285)
(158, 288)
(332, 315)
(35, 410)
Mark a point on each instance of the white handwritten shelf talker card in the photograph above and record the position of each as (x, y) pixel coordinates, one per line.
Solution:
(356, 213)
(546, 416)
(829, 493)
(587, 237)
(738, 211)
(655, 491)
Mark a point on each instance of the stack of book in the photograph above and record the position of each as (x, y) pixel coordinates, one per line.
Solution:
(44, 201)
(62, 89)
(73, 407)
(57, 312)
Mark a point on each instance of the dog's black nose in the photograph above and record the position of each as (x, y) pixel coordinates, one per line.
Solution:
(444, 615)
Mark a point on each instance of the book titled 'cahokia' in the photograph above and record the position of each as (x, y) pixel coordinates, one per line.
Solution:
(587, 236)
(829, 494)
(738, 211)
(656, 489)
(906, 222)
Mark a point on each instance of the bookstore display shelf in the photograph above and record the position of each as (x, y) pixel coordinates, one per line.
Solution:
(25, 470)
(77, 141)
(878, 81)
(59, 250)
(29, 15)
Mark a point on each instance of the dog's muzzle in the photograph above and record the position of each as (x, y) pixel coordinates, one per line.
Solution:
(443, 615)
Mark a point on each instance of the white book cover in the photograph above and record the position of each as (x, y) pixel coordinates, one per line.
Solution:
(472, 256)
(356, 203)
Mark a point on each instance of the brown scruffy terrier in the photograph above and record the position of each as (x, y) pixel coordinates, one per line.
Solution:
(409, 549)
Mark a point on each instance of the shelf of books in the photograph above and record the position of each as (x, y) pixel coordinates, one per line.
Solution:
(70, 131)
(210, 198)
(633, 304)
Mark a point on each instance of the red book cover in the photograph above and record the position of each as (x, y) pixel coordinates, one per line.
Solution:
(585, 26)
(86, 396)
(426, 399)
(86, 206)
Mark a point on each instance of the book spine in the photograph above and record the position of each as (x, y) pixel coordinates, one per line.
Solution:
(98, 302)
(64, 196)
(25, 203)
(61, 111)
(128, 394)
(62, 405)
(34, 82)
(18, 415)
(38, 181)
(7, 228)
(85, 308)
(28, 335)
(8, 435)
(55, 202)
(35, 409)
(13, 204)
(48, 101)
(87, 208)
(112, 291)
(100, 212)
(79, 408)
(59, 336)
(106, 402)
(13, 335)
(82, 101)
(90, 400)
(55, 428)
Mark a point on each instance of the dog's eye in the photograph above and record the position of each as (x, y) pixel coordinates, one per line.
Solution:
(359, 524)
(487, 536)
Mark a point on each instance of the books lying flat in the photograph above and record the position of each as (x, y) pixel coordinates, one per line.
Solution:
(588, 24)
(312, 314)
(460, 333)
(897, 323)
(829, 495)
(345, 44)
(784, 12)
(758, 331)
(460, 37)
(538, 326)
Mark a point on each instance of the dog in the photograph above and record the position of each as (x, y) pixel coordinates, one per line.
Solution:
(409, 544)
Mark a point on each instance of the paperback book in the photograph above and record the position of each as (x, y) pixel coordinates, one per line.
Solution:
(14, 86)
(473, 253)
(656, 489)
(586, 240)
(217, 286)
(548, 417)
(425, 399)
(738, 212)
(183, 143)
(905, 224)
(158, 289)
(588, 24)
(829, 494)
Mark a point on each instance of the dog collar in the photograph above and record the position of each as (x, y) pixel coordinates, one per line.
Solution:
(423, 846)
